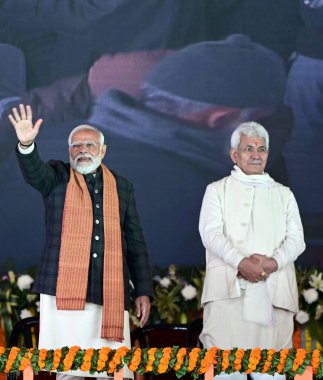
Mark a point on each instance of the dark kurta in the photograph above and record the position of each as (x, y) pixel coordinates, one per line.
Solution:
(51, 180)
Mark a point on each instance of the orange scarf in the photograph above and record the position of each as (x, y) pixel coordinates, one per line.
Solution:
(75, 253)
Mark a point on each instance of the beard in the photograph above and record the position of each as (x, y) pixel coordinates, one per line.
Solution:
(85, 166)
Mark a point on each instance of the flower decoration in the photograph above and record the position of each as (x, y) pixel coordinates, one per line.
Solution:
(24, 282)
(181, 361)
(189, 292)
(16, 300)
(310, 287)
(177, 295)
(302, 317)
(310, 295)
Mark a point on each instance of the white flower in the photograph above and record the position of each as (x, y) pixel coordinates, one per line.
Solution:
(24, 282)
(189, 292)
(25, 313)
(316, 281)
(318, 312)
(165, 282)
(31, 297)
(302, 317)
(311, 295)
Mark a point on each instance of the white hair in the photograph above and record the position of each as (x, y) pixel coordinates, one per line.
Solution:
(85, 127)
(251, 129)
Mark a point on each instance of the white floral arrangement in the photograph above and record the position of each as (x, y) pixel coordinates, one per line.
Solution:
(177, 293)
(17, 300)
(310, 287)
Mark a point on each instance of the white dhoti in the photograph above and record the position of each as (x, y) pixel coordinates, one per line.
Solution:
(59, 328)
(224, 327)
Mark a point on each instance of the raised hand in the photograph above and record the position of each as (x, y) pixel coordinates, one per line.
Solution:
(22, 122)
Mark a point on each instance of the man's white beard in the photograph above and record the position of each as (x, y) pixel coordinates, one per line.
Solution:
(86, 167)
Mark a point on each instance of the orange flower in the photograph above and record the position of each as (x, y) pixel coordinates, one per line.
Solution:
(268, 361)
(117, 357)
(238, 359)
(69, 358)
(103, 357)
(56, 358)
(315, 360)
(41, 358)
(25, 361)
(135, 360)
(2, 350)
(11, 358)
(87, 360)
(180, 358)
(299, 358)
(151, 359)
(254, 359)
(208, 359)
(192, 358)
(225, 360)
(283, 356)
(164, 361)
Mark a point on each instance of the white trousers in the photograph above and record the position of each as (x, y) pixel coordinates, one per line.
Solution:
(59, 328)
(224, 327)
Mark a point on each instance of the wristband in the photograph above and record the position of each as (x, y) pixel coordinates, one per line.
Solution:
(24, 146)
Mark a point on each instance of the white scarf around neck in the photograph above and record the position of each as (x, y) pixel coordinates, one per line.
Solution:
(257, 180)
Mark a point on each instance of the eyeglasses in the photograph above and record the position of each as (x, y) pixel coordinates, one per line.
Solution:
(250, 149)
(90, 145)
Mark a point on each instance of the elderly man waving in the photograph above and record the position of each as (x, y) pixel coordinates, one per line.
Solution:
(252, 231)
(94, 243)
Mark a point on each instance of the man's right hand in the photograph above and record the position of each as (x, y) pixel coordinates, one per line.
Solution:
(251, 269)
(22, 122)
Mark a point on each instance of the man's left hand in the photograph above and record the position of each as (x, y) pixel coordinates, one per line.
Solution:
(268, 263)
(142, 309)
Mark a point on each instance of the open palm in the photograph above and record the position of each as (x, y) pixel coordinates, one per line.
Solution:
(22, 122)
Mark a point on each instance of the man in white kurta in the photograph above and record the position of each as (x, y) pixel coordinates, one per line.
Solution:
(252, 231)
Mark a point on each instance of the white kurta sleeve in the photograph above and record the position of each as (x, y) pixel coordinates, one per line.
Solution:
(211, 229)
(293, 244)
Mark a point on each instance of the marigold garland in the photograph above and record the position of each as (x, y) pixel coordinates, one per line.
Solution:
(151, 359)
(315, 361)
(254, 360)
(11, 358)
(25, 361)
(192, 358)
(87, 360)
(208, 359)
(56, 358)
(299, 358)
(225, 360)
(136, 360)
(161, 360)
(103, 358)
(283, 356)
(164, 361)
(41, 358)
(117, 358)
(269, 360)
(237, 364)
(180, 358)
(69, 358)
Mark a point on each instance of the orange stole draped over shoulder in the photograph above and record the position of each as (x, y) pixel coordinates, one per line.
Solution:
(75, 253)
